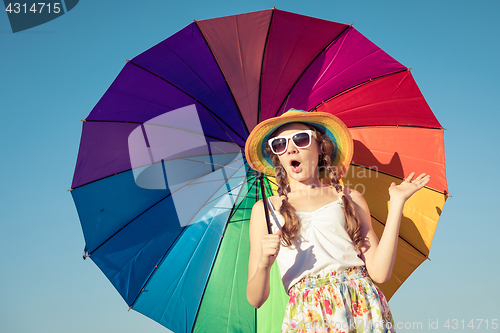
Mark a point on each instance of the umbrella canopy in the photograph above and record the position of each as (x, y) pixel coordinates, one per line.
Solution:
(161, 184)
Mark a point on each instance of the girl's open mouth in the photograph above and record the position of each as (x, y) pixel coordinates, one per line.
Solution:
(296, 166)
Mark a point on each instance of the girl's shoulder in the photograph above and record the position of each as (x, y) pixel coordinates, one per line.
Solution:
(351, 192)
(276, 202)
(354, 195)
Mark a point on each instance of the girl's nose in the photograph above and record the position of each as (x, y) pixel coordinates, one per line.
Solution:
(291, 149)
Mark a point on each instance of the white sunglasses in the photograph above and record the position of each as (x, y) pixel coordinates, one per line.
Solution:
(302, 139)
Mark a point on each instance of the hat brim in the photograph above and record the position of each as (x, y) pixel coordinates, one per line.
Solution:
(336, 130)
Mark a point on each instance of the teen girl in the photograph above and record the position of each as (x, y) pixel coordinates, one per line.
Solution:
(323, 240)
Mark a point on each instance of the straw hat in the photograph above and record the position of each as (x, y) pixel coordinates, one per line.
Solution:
(325, 122)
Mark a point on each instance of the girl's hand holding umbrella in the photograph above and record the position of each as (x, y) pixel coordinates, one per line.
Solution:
(259, 265)
(407, 188)
(270, 249)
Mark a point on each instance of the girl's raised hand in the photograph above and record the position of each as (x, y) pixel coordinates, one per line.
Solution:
(408, 187)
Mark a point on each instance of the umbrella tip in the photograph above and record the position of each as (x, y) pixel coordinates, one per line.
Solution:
(85, 255)
(127, 60)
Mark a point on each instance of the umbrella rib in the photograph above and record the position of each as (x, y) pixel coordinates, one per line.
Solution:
(234, 280)
(398, 279)
(237, 207)
(255, 175)
(173, 244)
(379, 221)
(160, 200)
(372, 104)
(259, 102)
(401, 81)
(287, 60)
(411, 126)
(242, 121)
(231, 214)
(128, 170)
(215, 164)
(305, 70)
(408, 156)
(198, 135)
(269, 187)
(120, 172)
(146, 123)
(132, 220)
(391, 175)
(209, 200)
(379, 103)
(214, 146)
(196, 74)
(343, 70)
(166, 254)
(215, 180)
(186, 159)
(241, 63)
(220, 196)
(162, 106)
(214, 115)
(254, 179)
(156, 266)
(333, 59)
(358, 85)
(211, 153)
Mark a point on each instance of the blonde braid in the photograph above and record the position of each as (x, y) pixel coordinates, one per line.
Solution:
(290, 229)
(352, 219)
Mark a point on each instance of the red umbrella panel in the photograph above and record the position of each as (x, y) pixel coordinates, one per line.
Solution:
(161, 184)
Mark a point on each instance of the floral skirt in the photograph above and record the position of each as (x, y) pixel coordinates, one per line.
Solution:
(341, 302)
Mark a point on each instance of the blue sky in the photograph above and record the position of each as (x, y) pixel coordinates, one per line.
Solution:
(54, 74)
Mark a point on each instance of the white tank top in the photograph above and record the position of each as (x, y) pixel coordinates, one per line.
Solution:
(322, 246)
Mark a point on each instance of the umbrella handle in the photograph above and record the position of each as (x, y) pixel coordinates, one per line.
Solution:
(264, 200)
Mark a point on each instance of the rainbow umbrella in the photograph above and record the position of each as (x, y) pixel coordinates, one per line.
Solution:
(162, 187)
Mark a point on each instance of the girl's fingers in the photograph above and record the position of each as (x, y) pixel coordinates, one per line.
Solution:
(422, 180)
(422, 175)
(418, 179)
(425, 180)
(408, 179)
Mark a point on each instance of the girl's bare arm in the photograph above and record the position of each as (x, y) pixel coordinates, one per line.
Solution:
(263, 251)
(380, 256)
